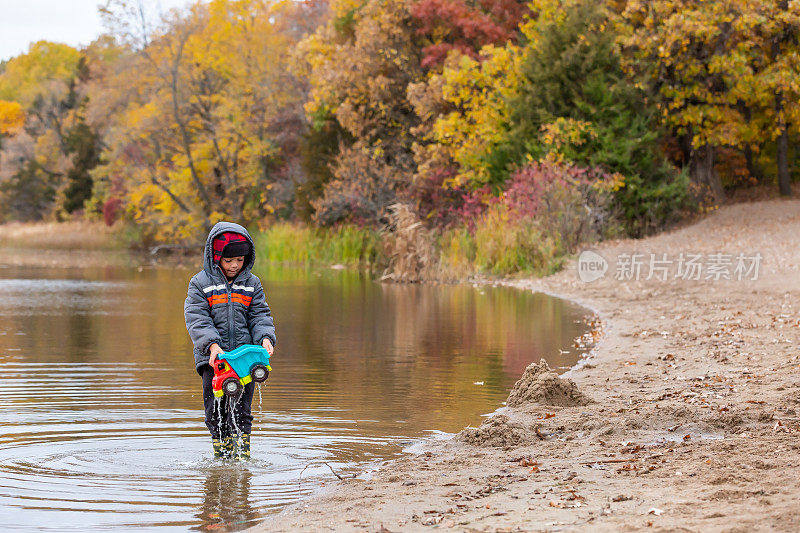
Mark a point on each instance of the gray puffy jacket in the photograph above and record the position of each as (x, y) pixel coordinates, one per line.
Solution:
(228, 313)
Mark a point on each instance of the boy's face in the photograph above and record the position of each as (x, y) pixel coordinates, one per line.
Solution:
(231, 265)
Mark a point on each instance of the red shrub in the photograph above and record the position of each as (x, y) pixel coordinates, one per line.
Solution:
(570, 201)
(465, 26)
(111, 209)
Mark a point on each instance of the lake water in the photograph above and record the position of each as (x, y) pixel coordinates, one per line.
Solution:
(101, 407)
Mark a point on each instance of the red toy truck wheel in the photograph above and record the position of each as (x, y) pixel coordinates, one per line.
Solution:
(222, 374)
(232, 387)
(259, 373)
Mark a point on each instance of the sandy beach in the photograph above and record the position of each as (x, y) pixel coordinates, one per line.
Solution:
(684, 418)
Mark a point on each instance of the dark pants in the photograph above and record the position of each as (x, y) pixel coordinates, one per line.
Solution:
(225, 415)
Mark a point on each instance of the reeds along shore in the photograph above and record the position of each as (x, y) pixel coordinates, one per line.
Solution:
(405, 250)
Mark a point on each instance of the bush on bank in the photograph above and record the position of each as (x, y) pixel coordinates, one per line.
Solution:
(547, 212)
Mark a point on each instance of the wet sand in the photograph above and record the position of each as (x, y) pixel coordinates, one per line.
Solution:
(694, 424)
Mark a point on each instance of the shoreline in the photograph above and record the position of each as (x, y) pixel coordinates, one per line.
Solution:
(694, 426)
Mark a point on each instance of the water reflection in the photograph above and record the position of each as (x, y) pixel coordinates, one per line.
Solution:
(102, 409)
(226, 499)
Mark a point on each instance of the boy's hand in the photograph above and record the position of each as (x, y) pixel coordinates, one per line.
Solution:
(214, 350)
(267, 346)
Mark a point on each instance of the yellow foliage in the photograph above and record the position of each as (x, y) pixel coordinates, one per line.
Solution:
(361, 75)
(565, 132)
(716, 66)
(25, 77)
(12, 117)
(479, 92)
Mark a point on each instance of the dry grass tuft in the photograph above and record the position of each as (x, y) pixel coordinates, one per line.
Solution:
(77, 235)
(409, 247)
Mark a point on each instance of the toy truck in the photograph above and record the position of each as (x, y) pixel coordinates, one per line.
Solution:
(235, 369)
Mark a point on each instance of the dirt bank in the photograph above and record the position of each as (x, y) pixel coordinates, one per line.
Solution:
(685, 418)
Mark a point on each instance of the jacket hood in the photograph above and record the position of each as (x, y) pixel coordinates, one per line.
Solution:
(208, 253)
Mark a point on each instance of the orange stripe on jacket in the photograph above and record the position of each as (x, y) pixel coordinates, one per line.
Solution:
(217, 299)
(241, 299)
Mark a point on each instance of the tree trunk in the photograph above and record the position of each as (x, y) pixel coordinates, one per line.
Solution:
(206, 201)
(704, 175)
(752, 168)
(685, 143)
(784, 180)
(784, 183)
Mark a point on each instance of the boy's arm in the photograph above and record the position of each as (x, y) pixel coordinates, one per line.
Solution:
(259, 317)
(197, 313)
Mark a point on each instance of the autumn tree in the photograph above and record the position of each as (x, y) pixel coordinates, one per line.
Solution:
(47, 159)
(767, 83)
(721, 73)
(575, 103)
(360, 65)
(466, 112)
(194, 138)
(468, 49)
(28, 75)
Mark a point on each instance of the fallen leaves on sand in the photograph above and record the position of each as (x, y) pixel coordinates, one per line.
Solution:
(564, 505)
(780, 427)
(432, 520)
(569, 500)
(527, 461)
(631, 447)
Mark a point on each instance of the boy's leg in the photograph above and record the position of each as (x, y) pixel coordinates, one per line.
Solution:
(215, 414)
(243, 410)
(244, 447)
(243, 416)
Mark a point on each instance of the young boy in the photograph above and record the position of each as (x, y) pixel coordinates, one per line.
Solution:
(224, 309)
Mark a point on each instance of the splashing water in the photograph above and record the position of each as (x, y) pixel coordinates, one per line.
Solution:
(232, 402)
(218, 411)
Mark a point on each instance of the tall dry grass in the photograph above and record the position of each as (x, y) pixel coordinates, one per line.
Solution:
(409, 247)
(73, 235)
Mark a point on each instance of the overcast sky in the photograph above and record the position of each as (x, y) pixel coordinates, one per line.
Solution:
(74, 22)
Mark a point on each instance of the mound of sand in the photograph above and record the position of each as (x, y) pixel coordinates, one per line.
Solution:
(496, 431)
(539, 384)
